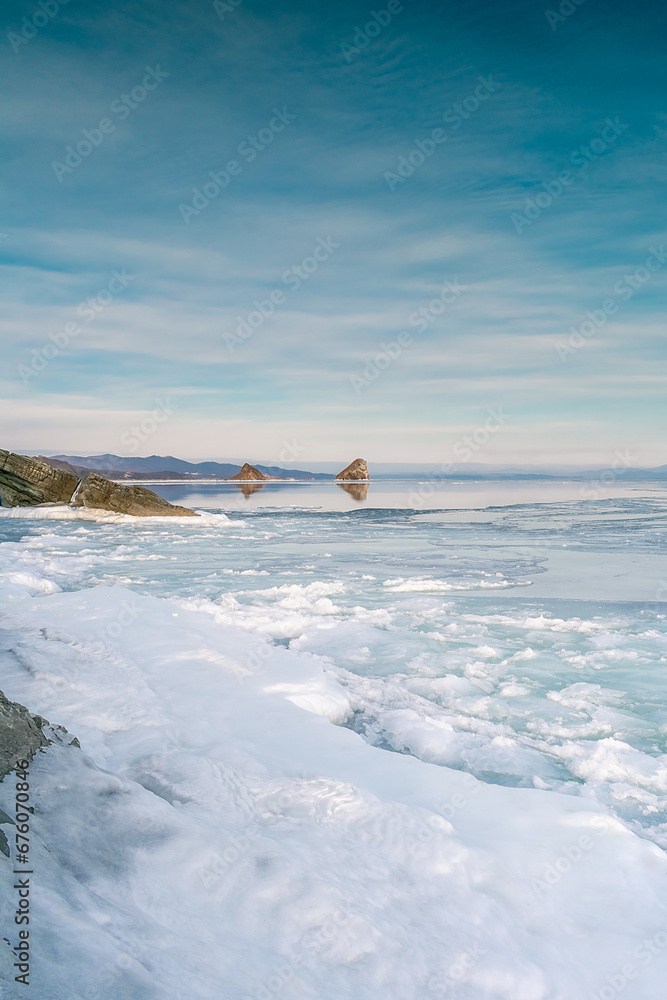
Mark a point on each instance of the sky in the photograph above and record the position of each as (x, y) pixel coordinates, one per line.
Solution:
(410, 232)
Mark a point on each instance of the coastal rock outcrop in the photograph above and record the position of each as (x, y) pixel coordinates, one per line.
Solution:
(248, 473)
(25, 482)
(96, 491)
(20, 734)
(356, 471)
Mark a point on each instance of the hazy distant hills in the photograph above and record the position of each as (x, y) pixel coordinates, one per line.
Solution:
(168, 467)
(163, 466)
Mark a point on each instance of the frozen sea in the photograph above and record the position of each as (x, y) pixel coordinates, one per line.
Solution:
(407, 745)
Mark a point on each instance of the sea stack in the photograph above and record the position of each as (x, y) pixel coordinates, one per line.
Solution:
(248, 474)
(356, 472)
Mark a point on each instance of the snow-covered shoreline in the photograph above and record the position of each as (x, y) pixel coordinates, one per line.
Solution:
(281, 717)
(244, 834)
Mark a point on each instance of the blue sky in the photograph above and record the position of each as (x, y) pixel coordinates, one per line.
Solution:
(333, 125)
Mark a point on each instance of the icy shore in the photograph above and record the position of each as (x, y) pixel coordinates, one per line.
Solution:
(217, 837)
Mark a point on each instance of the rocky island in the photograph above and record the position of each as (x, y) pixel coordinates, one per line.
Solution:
(355, 472)
(249, 474)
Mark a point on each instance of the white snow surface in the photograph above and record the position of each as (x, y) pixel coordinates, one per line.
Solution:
(236, 825)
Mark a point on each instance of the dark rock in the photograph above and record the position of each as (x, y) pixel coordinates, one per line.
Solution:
(248, 473)
(356, 471)
(100, 493)
(30, 482)
(26, 481)
(21, 735)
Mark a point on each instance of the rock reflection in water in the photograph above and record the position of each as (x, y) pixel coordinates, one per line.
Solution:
(358, 491)
(247, 489)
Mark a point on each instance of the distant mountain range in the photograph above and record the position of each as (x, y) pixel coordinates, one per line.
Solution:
(168, 467)
(177, 469)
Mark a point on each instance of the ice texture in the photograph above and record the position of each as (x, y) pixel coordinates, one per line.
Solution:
(298, 778)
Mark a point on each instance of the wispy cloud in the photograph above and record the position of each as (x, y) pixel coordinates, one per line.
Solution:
(323, 177)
